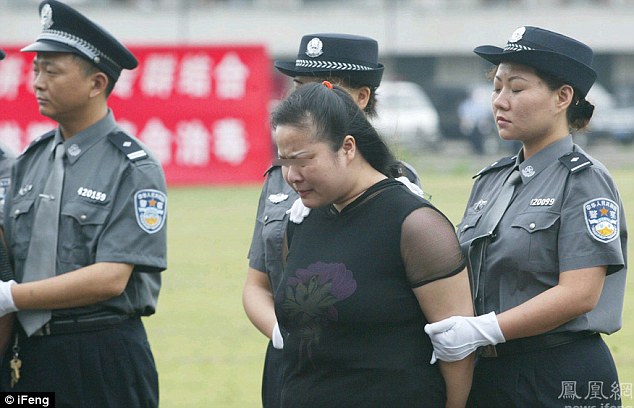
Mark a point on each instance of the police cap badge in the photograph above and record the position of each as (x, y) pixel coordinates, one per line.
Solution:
(64, 29)
(339, 55)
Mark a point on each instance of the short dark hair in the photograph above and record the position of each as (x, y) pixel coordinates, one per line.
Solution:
(89, 68)
(332, 114)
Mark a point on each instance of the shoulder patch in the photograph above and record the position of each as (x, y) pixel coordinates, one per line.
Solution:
(128, 146)
(39, 139)
(151, 210)
(503, 162)
(575, 161)
(602, 219)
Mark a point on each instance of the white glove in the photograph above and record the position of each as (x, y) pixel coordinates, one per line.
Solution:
(6, 298)
(276, 337)
(456, 337)
(412, 187)
(298, 211)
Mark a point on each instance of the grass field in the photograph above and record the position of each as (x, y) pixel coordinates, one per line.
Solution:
(207, 352)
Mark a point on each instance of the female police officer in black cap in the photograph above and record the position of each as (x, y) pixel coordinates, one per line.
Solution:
(84, 220)
(546, 240)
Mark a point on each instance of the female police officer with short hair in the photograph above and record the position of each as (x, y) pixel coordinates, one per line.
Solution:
(546, 240)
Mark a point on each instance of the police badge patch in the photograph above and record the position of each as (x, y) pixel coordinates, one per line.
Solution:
(602, 219)
(150, 207)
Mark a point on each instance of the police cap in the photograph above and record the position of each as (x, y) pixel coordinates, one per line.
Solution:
(548, 51)
(340, 55)
(64, 29)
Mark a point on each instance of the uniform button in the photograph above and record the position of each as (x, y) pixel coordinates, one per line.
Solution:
(16, 212)
(83, 217)
(266, 218)
(464, 227)
(531, 225)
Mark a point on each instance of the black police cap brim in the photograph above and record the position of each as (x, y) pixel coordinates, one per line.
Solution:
(370, 77)
(49, 46)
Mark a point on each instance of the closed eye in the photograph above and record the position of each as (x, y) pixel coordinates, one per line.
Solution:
(291, 162)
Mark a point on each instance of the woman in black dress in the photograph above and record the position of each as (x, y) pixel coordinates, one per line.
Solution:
(365, 271)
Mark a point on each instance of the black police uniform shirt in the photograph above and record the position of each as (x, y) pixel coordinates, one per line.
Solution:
(566, 214)
(113, 209)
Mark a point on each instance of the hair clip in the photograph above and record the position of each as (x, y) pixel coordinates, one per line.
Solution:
(327, 84)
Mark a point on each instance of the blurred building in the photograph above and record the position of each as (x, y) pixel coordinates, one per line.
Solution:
(429, 42)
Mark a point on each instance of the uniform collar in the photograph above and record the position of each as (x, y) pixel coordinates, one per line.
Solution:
(529, 168)
(84, 140)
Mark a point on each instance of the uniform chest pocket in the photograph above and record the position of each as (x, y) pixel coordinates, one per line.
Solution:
(273, 231)
(22, 214)
(466, 228)
(535, 222)
(81, 224)
(274, 214)
(539, 232)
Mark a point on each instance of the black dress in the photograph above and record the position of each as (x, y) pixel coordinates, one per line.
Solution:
(354, 329)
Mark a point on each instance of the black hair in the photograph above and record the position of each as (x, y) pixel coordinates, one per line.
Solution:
(89, 68)
(350, 83)
(580, 110)
(331, 115)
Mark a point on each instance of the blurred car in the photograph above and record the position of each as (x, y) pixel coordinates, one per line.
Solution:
(613, 118)
(477, 123)
(406, 117)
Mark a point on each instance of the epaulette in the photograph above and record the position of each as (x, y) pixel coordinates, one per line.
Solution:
(270, 169)
(575, 161)
(503, 162)
(38, 140)
(128, 146)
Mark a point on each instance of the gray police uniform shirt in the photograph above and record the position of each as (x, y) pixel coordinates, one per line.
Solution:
(113, 209)
(6, 163)
(265, 253)
(566, 214)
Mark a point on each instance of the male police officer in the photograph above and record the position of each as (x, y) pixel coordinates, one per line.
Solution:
(6, 160)
(79, 332)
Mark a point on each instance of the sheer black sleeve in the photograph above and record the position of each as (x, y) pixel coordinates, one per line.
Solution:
(429, 247)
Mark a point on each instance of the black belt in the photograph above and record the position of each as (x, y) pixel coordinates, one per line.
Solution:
(534, 343)
(77, 325)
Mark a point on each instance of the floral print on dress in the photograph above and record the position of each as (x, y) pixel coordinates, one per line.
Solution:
(310, 300)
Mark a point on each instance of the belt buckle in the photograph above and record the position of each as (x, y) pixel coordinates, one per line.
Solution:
(488, 351)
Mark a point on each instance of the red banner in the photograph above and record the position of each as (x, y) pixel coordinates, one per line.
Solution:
(202, 111)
